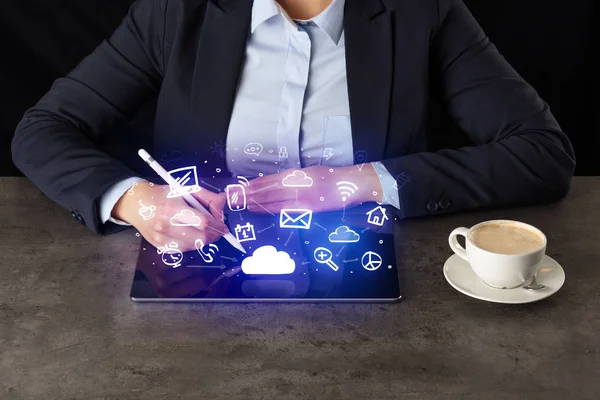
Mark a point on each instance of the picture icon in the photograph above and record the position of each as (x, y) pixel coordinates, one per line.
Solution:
(346, 189)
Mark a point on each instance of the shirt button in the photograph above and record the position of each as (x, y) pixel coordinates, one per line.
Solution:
(432, 206)
(445, 203)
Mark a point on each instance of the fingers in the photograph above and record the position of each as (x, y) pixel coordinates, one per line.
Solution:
(274, 195)
(183, 215)
(212, 201)
(262, 182)
(271, 208)
(183, 225)
(217, 206)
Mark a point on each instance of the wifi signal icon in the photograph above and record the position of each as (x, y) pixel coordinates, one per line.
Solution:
(346, 189)
(242, 180)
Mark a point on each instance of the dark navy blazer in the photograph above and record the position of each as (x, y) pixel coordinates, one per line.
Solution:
(400, 55)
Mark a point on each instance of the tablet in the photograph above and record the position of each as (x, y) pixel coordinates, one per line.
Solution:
(293, 256)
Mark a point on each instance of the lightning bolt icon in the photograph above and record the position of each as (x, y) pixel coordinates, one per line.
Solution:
(328, 153)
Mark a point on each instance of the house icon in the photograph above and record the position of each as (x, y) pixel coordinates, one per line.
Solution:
(377, 216)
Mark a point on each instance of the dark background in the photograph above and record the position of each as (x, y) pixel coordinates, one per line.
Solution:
(548, 42)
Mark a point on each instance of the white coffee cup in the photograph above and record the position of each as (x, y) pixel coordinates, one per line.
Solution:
(503, 271)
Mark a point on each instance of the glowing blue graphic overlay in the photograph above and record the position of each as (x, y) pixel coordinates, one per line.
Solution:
(377, 216)
(187, 177)
(171, 255)
(266, 260)
(295, 218)
(371, 261)
(244, 233)
(218, 148)
(297, 179)
(401, 180)
(327, 153)
(361, 157)
(283, 152)
(185, 215)
(346, 189)
(170, 155)
(236, 197)
(343, 234)
(253, 149)
(206, 252)
(324, 256)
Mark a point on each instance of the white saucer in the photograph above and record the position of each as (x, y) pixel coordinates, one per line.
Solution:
(459, 274)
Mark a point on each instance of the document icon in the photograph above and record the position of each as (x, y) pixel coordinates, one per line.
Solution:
(295, 218)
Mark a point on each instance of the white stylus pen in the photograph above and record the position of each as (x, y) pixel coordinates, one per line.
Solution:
(188, 197)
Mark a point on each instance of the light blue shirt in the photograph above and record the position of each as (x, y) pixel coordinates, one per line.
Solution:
(291, 108)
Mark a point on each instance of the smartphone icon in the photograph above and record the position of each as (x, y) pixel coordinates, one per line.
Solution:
(236, 197)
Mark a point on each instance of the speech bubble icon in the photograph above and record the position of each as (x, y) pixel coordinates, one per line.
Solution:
(253, 148)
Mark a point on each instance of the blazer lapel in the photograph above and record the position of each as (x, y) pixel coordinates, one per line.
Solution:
(219, 61)
(369, 68)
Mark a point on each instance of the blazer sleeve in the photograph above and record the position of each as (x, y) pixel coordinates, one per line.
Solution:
(55, 144)
(519, 155)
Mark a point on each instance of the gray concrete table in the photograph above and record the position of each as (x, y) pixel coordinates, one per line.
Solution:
(68, 329)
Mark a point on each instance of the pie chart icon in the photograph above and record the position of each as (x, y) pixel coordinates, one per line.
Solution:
(371, 261)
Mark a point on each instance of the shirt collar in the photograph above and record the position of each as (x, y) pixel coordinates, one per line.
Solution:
(262, 10)
(331, 20)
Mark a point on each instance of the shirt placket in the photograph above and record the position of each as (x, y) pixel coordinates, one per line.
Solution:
(292, 96)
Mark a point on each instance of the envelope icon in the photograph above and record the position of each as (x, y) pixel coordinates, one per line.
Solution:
(295, 218)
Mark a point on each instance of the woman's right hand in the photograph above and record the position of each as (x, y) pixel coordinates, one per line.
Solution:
(161, 220)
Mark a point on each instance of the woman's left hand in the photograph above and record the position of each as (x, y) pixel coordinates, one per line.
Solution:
(318, 189)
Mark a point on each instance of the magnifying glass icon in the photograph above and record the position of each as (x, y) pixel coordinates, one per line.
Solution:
(323, 256)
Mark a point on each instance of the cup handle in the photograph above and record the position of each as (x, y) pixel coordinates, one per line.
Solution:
(455, 246)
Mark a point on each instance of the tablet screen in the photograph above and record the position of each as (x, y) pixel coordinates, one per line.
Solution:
(295, 255)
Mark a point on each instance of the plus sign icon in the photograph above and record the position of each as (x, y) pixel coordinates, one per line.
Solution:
(324, 256)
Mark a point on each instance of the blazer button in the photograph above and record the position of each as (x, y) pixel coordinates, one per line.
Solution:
(432, 206)
(445, 203)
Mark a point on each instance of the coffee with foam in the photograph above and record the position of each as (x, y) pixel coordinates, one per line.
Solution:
(506, 238)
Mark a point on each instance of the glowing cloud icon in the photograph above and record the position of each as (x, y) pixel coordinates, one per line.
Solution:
(343, 234)
(297, 179)
(266, 260)
(185, 215)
